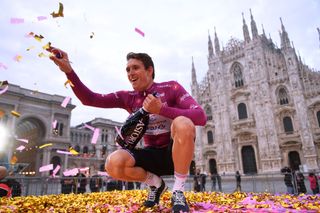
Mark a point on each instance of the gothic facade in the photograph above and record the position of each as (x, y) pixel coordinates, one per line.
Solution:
(262, 104)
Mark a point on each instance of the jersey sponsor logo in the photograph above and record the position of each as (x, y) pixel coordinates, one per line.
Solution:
(186, 95)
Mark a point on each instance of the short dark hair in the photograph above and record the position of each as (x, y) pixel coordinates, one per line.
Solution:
(144, 58)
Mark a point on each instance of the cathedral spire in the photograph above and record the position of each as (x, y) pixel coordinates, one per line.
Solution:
(210, 47)
(285, 42)
(245, 30)
(193, 73)
(254, 29)
(263, 32)
(216, 42)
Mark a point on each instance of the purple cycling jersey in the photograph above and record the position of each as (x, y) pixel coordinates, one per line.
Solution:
(176, 101)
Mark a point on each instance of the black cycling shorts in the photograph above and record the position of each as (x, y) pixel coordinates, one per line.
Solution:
(155, 160)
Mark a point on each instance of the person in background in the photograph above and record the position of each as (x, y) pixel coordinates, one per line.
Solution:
(3, 172)
(238, 180)
(301, 187)
(95, 183)
(196, 181)
(203, 179)
(288, 179)
(219, 182)
(314, 185)
(213, 181)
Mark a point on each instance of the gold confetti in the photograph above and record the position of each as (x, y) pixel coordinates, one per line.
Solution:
(15, 113)
(68, 82)
(45, 145)
(59, 13)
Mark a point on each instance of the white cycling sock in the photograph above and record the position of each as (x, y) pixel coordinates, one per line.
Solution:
(179, 181)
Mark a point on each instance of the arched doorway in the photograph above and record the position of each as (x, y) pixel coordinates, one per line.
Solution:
(34, 131)
(248, 160)
(294, 160)
(55, 160)
(213, 166)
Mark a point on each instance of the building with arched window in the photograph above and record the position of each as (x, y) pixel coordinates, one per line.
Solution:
(262, 104)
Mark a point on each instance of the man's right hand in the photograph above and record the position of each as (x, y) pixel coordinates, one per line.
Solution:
(60, 58)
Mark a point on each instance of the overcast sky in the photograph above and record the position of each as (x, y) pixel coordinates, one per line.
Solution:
(175, 30)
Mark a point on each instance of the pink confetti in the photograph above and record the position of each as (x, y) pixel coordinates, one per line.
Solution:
(64, 152)
(3, 66)
(139, 31)
(54, 124)
(41, 18)
(95, 136)
(46, 168)
(65, 102)
(16, 20)
(17, 58)
(102, 173)
(23, 140)
(89, 127)
(20, 148)
(119, 133)
(4, 90)
(55, 171)
(84, 169)
(71, 172)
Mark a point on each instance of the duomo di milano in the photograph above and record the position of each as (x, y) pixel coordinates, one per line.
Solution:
(262, 104)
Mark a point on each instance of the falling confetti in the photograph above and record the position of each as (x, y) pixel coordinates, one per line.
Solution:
(119, 132)
(23, 140)
(41, 18)
(60, 11)
(139, 31)
(54, 124)
(15, 113)
(17, 58)
(92, 34)
(95, 136)
(65, 102)
(45, 145)
(89, 127)
(71, 172)
(3, 66)
(64, 152)
(55, 171)
(73, 151)
(68, 82)
(20, 148)
(46, 168)
(4, 90)
(16, 20)
(38, 37)
(47, 46)
(30, 48)
(102, 173)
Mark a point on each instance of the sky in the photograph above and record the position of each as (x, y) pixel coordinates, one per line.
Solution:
(98, 34)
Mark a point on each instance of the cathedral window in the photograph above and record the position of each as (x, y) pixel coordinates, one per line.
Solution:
(210, 137)
(208, 113)
(102, 137)
(318, 118)
(287, 124)
(283, 98)
(242, 111)
(237, 74)
(85, 149)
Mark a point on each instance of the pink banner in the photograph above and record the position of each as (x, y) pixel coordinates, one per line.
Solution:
(95, 136)
(46, 168)
(84, 169)
(65, 102)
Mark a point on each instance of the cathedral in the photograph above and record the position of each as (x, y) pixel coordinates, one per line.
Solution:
(262, 105)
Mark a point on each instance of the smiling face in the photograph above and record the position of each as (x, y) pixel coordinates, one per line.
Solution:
(139, 77)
